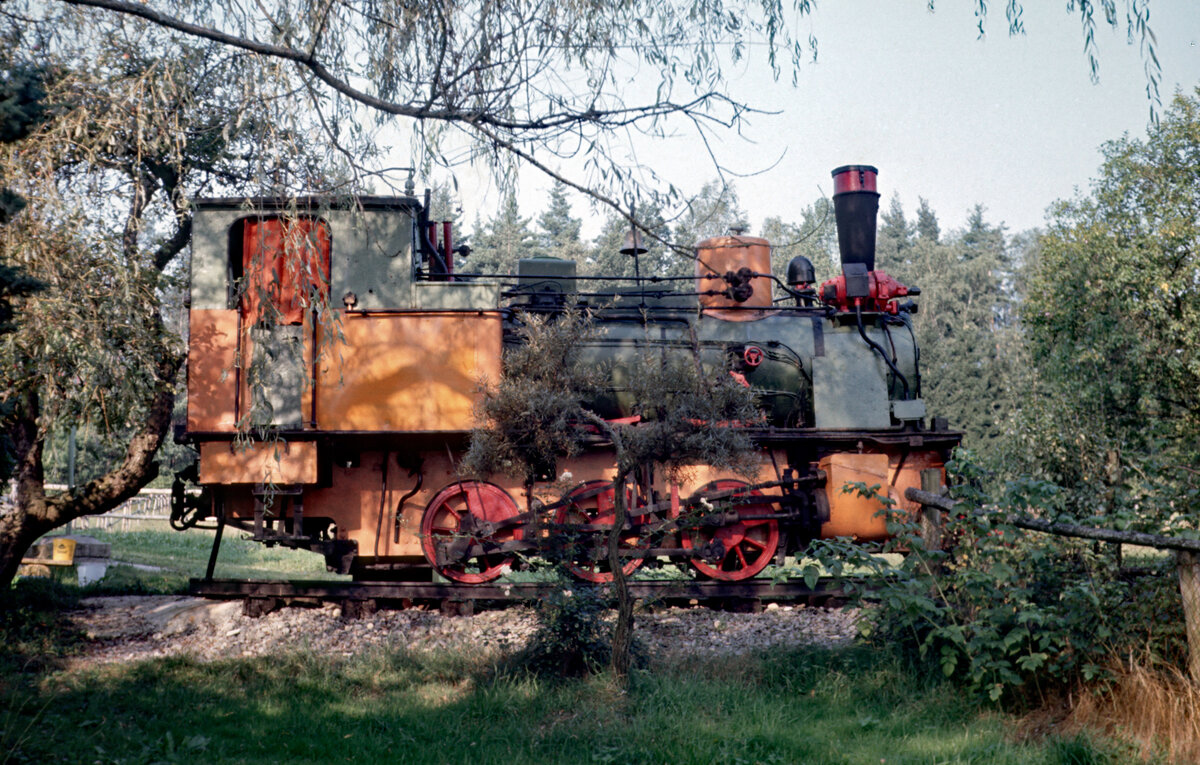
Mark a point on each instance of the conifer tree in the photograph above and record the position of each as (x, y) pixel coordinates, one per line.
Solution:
(606, 258)
(965, 366)
(559, 229)
(927, 222)
(503, 241)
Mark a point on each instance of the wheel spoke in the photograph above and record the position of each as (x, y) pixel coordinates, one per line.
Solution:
(741, 556)
(592, 504)
(739, 563)
(444, 517)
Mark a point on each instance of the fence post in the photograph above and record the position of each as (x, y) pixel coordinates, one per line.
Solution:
(1189, 589)
(931, 517)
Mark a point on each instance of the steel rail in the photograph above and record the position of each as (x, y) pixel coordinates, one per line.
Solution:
(756, 589)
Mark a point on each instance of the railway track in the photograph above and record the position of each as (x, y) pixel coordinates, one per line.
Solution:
(361, 598)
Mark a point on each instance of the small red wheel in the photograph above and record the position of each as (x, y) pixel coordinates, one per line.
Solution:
(747, 545)
(462, 513)
(753, 356)
(591, 503)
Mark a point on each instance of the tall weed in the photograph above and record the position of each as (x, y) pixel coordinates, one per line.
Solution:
(1154, 706)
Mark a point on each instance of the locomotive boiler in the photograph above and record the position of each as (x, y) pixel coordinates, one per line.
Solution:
(336, 353)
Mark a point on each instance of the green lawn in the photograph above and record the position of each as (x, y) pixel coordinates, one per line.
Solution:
(806, 707)
(850, 706)
(182, 555)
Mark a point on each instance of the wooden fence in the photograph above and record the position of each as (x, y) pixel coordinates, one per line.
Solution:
(150, 509)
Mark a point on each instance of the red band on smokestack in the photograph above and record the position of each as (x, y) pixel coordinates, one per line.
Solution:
(854, 178)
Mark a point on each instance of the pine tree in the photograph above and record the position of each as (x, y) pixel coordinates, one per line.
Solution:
(927, 222)
(606, 258)
(965, 369)
(505, 239)
(895, 235)
(560, 231)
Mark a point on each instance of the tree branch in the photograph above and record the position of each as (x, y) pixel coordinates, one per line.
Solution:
(308, 60)
(1065, 529)
(138, 467)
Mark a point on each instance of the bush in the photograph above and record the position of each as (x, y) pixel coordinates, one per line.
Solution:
(572, 639)
(1010, 613)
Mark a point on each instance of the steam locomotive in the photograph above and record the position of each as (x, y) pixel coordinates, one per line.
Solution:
(335, 355)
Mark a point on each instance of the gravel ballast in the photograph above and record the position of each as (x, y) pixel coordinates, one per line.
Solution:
(126, 629)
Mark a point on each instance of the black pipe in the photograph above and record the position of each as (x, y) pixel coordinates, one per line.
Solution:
(855, 207)
(438, 270)
(400, 505)
(387, 457)
(879, 349)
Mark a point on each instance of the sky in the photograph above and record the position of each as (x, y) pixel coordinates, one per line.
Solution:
(1012, 123)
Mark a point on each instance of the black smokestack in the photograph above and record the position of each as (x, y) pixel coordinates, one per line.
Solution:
(855, 205)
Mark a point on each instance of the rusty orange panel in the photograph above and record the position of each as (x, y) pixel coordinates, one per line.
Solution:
(909, 475)
(723, 254)
(849, 514)
(283, 462)
(211, 377)
(410, 371)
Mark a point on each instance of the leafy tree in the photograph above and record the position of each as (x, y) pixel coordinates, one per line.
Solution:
(135, 133)
(518, 81)
(525, 81)
(815, 237)
(1113, 322)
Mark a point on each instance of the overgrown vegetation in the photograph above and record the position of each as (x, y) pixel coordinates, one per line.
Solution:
(538, 413)
(1011, 615)
(34, 634)
(572, 639)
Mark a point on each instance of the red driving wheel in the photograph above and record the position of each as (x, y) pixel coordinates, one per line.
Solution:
(591, 504)
(746, 546)
(462, 514)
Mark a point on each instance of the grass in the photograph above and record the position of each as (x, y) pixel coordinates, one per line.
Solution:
(807, 706)
(803, 707)
(179, 556)
(1155, 705)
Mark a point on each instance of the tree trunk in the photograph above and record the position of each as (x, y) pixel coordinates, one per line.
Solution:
(622, 639)
(1189, 589)
(35, 514)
